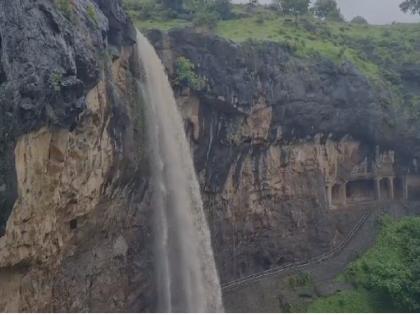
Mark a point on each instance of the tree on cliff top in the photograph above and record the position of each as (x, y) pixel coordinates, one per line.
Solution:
(412, 6)
(327, 10)
(359, 20)
(293, 7)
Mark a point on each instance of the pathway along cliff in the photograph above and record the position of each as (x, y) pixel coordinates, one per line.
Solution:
(187, 278)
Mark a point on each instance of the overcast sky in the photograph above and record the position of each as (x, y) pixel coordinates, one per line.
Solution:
(375, 11)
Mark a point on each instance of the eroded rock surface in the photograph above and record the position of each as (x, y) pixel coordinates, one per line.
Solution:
(78, 238)
(272, 134)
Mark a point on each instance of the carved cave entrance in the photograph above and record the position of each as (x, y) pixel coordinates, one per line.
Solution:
(384, 185)
(336, 194)
(361, 190)
(413, 187)
(399, 188)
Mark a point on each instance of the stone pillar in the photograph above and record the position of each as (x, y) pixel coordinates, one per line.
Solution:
(343, 193)
(378, 188)
(391, 187)
(329, 196)
(404, 188)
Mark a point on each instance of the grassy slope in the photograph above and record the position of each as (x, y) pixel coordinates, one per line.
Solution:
(370, 48)
(377, 51)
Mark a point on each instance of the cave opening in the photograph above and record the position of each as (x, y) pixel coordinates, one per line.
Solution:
(73, 224)
(336, 194)
(399, 189)
(360, 190)
(385, 189)
(413, 186)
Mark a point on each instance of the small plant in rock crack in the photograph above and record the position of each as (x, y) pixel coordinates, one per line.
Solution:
(91, 12)
(186, 75)
(65, 7)
(56, 80)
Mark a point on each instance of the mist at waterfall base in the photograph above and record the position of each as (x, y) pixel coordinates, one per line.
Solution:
(186, 275)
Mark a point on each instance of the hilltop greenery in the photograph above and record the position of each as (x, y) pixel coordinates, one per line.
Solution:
(386, 278)
(379, 52)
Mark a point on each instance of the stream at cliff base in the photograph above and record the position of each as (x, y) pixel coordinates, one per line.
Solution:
(187, 278)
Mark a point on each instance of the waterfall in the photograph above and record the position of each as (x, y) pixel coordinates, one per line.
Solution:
(187, 278)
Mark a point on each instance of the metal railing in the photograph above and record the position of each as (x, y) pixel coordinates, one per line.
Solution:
(274, 271)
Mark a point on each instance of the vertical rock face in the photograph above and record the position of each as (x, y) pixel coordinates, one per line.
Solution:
(78, 237)
(288, 150)
(51, 55)
(285, 150)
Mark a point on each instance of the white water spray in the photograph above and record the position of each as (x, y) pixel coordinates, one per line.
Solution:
(186, 272)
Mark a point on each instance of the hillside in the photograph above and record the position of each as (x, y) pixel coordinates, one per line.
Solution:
(389, 55)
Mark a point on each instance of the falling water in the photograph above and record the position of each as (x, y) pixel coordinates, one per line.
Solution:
(187, 279)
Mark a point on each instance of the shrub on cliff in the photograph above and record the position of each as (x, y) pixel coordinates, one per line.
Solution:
(186, 75)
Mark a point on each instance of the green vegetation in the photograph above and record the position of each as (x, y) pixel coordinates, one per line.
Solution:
(92, 13)
(185, 75)
(56, 81)
(327, 10)
(65, 7)
(359, 20)
(368, 47)
(302, 279)
(355, 301)
(386, 278)
(379, 52)
(294, 8)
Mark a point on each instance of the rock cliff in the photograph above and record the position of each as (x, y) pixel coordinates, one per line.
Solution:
(288, 150)
(290, 154)
(74, 172)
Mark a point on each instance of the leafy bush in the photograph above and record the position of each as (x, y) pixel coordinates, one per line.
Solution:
(392, 267)
(386, 278)
(185, 75)
(351, 301)
(300, 280)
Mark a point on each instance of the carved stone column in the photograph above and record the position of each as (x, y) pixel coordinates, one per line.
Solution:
(404, 188)
(329, 196)
(391, 187)
(378, 188)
